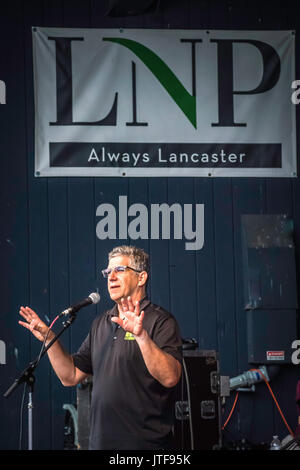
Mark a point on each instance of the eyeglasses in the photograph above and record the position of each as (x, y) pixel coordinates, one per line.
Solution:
(117, 269)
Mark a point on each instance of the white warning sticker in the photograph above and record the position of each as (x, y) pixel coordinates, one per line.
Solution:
(275, 355)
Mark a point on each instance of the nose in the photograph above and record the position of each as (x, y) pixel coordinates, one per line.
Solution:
(112, 275)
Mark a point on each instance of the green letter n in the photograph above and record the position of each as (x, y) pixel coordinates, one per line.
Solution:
(185, 101)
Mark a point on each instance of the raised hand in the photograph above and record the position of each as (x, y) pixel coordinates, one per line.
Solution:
(130, 318)
(33, 323)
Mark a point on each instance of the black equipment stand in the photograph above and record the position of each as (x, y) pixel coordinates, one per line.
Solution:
(28, 377)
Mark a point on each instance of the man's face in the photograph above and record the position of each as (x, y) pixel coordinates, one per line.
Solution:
(123, 284)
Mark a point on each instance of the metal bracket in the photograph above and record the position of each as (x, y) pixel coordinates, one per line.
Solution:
(219, 384)
(182, 410)
(208, 409)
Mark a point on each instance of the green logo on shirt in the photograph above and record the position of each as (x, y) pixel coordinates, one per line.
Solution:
(129, 336)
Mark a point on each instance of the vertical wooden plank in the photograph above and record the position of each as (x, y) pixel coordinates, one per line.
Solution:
(80, 222)
(225, 276)
(59, 274)
(183, 303)
(38, 239)
(200, 14)
(175, 14)
(81, 249)
(206, 269)
(159, 250)
(138, 194)
(107, 191)
(14, 221)
(216, 15)
(76, 13)
(279, 194)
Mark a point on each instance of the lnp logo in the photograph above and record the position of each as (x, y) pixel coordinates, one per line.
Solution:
(163, 103)
(167, 78)
(2, 92)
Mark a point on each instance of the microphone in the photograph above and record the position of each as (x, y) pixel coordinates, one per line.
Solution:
(93, 298)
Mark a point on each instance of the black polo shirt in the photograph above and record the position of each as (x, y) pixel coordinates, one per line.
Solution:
(129, 409)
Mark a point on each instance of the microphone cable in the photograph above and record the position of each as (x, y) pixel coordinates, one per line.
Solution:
(232, 409)
(45, 339)
(274, 398)
(189, 403)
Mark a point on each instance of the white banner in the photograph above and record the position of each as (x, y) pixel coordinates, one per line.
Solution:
(138, 102)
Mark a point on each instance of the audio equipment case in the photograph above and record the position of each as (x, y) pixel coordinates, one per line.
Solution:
(198, 404)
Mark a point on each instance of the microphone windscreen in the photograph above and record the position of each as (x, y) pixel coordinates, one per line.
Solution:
(95, 297)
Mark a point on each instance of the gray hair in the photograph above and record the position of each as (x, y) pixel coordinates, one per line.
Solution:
(139, 258)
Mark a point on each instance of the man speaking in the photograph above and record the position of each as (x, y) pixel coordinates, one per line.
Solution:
(133, 352)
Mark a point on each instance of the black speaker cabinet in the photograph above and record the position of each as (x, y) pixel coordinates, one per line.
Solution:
(197, 406)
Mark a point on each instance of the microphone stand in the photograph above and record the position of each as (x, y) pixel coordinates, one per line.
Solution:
(28, 377)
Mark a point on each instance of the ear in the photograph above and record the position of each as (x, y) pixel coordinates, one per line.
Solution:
(143, 276)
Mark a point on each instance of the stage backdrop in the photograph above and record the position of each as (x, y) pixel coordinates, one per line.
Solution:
(144, 102)
(52, 247)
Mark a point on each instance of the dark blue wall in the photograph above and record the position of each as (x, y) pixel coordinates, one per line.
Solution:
(50, 256)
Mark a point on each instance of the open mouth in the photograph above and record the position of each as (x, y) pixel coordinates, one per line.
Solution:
(114, 286)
